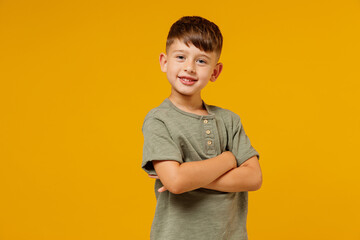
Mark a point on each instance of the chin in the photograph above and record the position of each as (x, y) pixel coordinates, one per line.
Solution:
(183, 93)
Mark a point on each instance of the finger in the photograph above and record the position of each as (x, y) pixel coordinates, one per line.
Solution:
(162, 189)
(153, 176)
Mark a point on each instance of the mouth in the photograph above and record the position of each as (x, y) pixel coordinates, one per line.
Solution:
(187, 80)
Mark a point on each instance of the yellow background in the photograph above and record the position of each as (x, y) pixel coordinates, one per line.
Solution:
(78, 77)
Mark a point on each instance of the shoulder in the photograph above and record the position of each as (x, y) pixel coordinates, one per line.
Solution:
(227, 115)
(160, 111)
(159, 115)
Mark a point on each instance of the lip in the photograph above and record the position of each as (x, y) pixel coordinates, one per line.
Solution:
(190, 81)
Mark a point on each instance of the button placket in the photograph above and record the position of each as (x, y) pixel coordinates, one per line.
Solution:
(209, 137)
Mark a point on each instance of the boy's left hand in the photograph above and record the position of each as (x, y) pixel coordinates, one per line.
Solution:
(163, 188)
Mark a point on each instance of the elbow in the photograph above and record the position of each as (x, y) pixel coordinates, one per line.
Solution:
(257, 186)
(175, 187)
(176, 190)
(174, 183)
(257, 183)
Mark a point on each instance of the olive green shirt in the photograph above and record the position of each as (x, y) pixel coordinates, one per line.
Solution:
(202, 214)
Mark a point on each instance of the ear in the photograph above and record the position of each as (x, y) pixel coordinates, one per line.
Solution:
(217, 70)
(163, 62)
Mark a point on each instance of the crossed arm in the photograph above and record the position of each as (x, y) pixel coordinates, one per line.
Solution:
(217, 173)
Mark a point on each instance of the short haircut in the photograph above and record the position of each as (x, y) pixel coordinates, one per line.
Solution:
(199, 31)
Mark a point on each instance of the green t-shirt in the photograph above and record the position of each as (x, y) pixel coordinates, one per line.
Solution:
(202, 214)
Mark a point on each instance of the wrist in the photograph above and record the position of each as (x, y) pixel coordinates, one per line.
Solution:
(231, 159)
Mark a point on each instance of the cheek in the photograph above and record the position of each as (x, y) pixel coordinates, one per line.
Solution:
(205, 75)
(172, 69)
(171, 73)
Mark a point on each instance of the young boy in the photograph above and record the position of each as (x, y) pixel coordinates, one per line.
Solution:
(199, 154)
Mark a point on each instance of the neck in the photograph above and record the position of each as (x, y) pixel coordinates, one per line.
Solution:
(187, 103)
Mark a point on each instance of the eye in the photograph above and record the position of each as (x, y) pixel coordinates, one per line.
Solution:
(180, 57)
(201, 61)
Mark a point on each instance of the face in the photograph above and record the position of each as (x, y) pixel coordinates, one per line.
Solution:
(188, 68)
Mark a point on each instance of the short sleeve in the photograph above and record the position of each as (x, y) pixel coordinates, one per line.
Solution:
(158, 144)
(242, 148)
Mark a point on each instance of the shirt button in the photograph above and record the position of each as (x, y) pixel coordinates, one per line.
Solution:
(209, 142)
(206, 121)
(208, 132)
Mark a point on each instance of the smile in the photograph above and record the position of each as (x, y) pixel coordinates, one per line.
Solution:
(187, 81)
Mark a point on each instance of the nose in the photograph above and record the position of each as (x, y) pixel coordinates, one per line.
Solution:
(189, 67)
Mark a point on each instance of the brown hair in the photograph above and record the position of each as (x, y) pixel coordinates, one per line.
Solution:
(199, 31)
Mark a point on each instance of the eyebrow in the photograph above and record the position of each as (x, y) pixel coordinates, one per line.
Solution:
(201, 55)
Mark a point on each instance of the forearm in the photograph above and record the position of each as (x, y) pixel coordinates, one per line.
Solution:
(243, 178)
(192, 175)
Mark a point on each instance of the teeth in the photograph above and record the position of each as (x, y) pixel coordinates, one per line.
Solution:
(186, 80)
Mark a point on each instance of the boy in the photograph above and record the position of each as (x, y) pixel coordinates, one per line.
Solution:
(199, 154)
